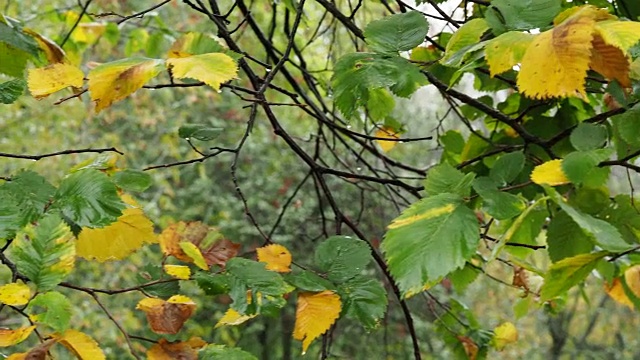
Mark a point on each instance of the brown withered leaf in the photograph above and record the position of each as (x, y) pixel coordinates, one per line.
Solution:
(470, 347)
(167, 317)
(165, 350)
(220, 252)
(215, 249)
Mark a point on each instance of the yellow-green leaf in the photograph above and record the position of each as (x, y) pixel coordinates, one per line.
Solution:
(549, 173)
(556, 62)
(119, 239)
(315, 314)
(15, 294)
(506, 50)
(213, 68)
(621, 34)
(195, 254)
(114, 81)
(469, 34)
(80, 344)
(232, 317)
(386, 133)
(504, 335)
(178, 271)
(49, 79)
(276, 256)
(10, 337)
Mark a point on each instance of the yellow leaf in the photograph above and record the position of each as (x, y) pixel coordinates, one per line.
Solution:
(504, 335)
(213, 68)
(18, 356)
(15, 294)
(556, 62)
(88, 32)
(80, 344)
(386, 133)
(610, 62)
(114, 81)
(549, 173)
(167, 317)
(49, 79)
(10, 337)
(52, 51)
(621, 34)
(193, 43)
(616, 291)
(119, 239)
(178, 271)
(588, 11)
(632, 278)
(195, 254)
(276, 256)
(506, 50)
(232, 317)
(315, 314)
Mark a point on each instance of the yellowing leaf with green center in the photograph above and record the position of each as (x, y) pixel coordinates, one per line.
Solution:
(114, 81)
(80, 344)
(386, 133)
(557, 60)
(621, 34)
(506, 50)
(504, 335)
(549, 173)
(178, 271)
(609, 61)
(10, 337)
(315, 314)
(193, 252)
(232, 317)
(213, 69)
(167, 317)
(116, 241)
(47, 80)
(568, 272)
(276, 256)
(15, 294)
(430, 239)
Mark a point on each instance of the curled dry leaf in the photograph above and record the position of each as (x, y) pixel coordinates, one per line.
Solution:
(277, 257)
(167, 317)
(214, 249)
(165, 350)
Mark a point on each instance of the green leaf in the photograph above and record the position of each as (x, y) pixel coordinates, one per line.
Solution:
(45, 253)
(567, 273)
(629, 8)
(12, 61)
(221, 352)
(132, 180)
(11, 90)
(624, 215)
(604, 234)
(201, 132)
(23, 200)
(498, 204)
(14, 37)
(251, 275)
(364, 299)
(163, 290)
(444, 178)
(308, 281)
(57, 310)
(628, 125)
(430, 239)
(565, 238)
(507, 167)
(357, 75)
(212, 284)
(463, 40)
(342, 257)
(89, 199)
(588, 137)
(582, 167)
(398, 32)
(463, 277)
(526, 14)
